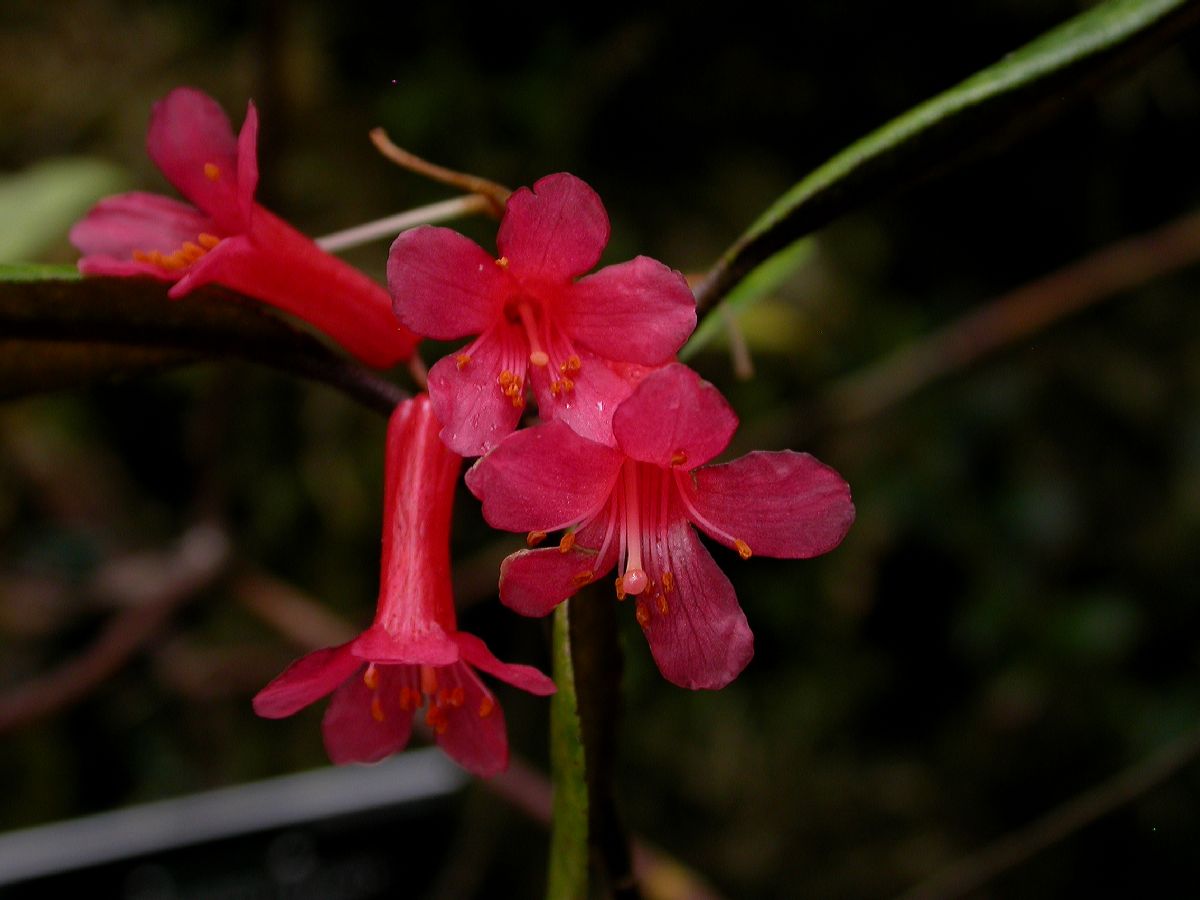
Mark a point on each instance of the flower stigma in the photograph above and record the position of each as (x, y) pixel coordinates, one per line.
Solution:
(635, 580)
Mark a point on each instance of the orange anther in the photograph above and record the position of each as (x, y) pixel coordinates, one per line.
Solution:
(207, 241)
(678, 458)
(572, 365)
(212, 171)
(371, 677)
(457, 696)
(142, 256)
(568, 384)
(486, 705)
(742, 548)
(663, 607)
(518, 402)
(429, 681)
(567, 542)
(191, 252)
(376, 709)
(461, 360)
(643, 613)
(502, 262)
(407, 700)
(579, 579)
(535, 537)
(668, 581)
(620, 587)
(505, 378)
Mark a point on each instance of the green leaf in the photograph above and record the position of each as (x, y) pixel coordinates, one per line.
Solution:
(37, 272)
(39, 204)
(1021, 90)
(568, 875)
(58, 333)
(758, 285)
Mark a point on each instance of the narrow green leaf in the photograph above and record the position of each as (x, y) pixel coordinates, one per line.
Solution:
(568, 875)
(1021, 90)
(758, 285)
(37, 272)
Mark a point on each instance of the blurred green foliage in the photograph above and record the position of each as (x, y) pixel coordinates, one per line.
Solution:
(1014, 615)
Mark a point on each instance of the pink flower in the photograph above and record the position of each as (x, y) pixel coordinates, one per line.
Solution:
(227, 238)
(412, 655)
(630, 506)
(533, 318)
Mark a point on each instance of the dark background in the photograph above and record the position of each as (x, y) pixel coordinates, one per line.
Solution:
(1013, 617)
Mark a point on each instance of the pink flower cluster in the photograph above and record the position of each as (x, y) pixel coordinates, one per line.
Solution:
(619, 461)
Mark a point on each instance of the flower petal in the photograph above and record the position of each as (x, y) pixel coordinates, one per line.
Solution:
(475, 736)
(247, 161)
(785, 504)
(444, 285)
(431, 647)
(291, 273)
(119, 268)
(305, 681)
(533, 582)
(674, 418)
(467, 399)
(351, 730)
(527, 678)
(191, 140)
(638, 311)
(117, 226)
(554, 231)
(543, 478)
(702, 640)
(588, 407)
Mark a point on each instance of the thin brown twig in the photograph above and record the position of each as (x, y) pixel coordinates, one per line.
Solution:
(292, 613)
(419, 371)
(201, 557)
(472, 184)
(966, 875)
(1125, 264)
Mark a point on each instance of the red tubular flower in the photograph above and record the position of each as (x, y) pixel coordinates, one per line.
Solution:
(228, 239)
(630, 507)
(412, 655)
(533, 318)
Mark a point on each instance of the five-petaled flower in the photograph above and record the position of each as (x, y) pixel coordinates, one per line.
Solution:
(630, 506)
(413, 655)
(229, 239)
(532, 318)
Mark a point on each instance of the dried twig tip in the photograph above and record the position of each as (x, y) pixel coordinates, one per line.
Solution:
(496, 194)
